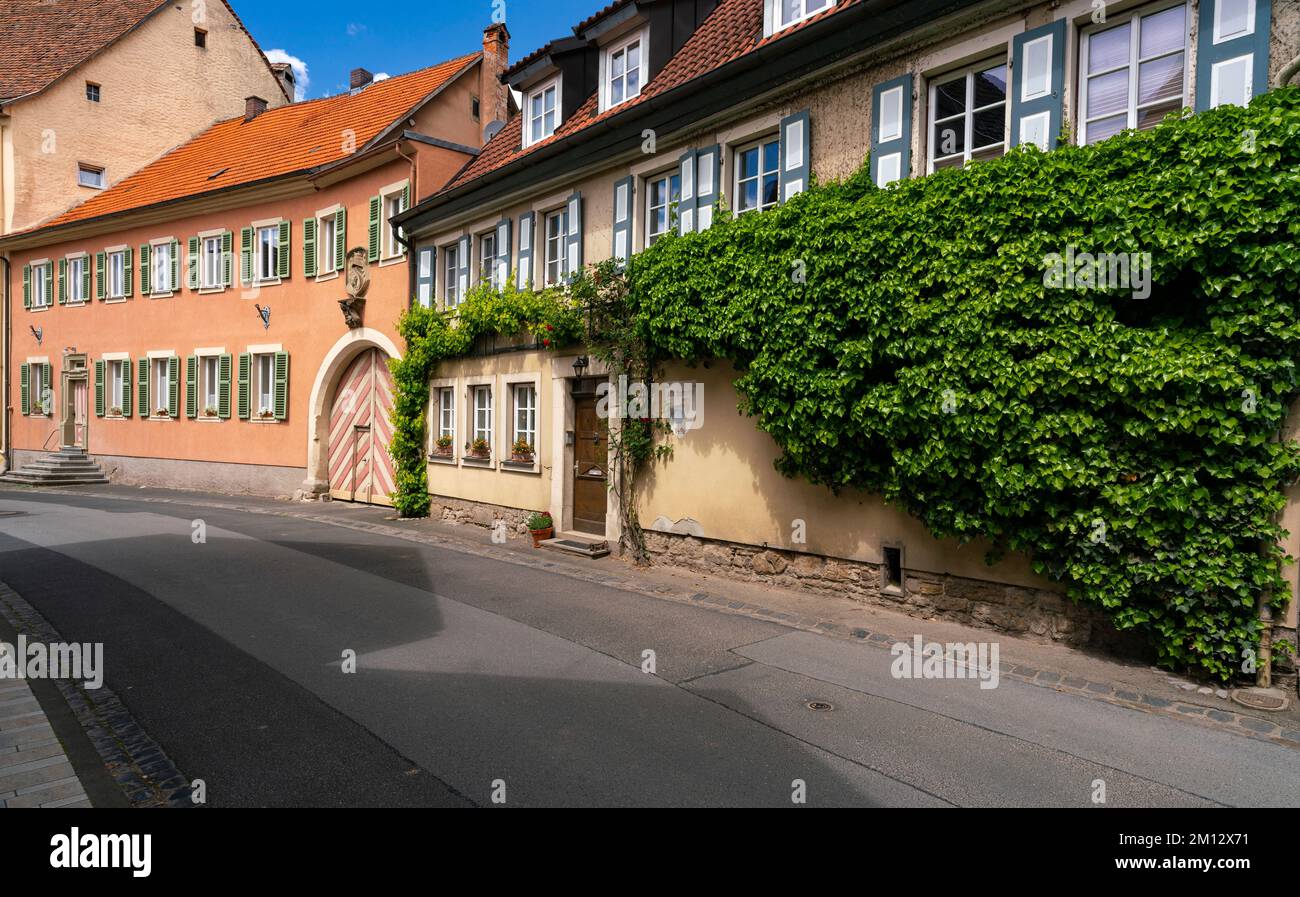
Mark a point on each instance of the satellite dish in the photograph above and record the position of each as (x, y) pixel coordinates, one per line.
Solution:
(492, 130)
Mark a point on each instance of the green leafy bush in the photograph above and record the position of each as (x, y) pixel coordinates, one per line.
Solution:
(903, 341)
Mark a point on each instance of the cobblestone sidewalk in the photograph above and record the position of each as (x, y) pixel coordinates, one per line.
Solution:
(34, 770)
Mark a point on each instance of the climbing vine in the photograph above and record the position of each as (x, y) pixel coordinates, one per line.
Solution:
(914, 342)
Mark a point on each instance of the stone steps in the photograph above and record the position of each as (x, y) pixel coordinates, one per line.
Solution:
(66, 467)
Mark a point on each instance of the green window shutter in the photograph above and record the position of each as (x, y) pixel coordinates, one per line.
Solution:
(85, 278)
(128, 273)
(63, 281)
(245, 368)
(173, 387)
(340, 237)
(192, 263)
(281, 385)
(284, 259)
(176, 266)
(100, 260)
(142, 397)
(144, 269)
(223, 387)
(227, 259)
(246, 256)
(99, 388)
(191, 387)
(309, 247)
(373, 247)
(126, 388)
(25, 388)
(27, 286)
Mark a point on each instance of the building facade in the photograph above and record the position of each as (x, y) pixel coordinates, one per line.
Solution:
(222, 319)
(654, 114)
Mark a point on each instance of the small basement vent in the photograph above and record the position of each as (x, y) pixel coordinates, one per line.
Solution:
(893, 568)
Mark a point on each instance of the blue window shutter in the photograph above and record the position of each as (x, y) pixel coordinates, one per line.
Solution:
(1211, 56)
(891, 130)
(686, 205)
(462, 268)
(525, 278)
(1038, 85)
(708, 173)
(623, 204)
(505, 228)
(573, 239)
(796, 144)
(424, 276)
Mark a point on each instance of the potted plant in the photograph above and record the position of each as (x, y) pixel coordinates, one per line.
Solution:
(265, 414)
(209, 411)
(541, 526)
(161, 412)
(522, 451)
(442, 447)
(115, 411)
(480, 449)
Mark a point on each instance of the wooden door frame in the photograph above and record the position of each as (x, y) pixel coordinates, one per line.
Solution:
(580, 390)
(67, 421)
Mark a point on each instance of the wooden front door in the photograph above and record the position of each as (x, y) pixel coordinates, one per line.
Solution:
(76, 400)
(360, 431)
(590, 468)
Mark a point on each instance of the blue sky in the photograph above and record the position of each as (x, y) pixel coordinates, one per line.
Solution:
(331, 37)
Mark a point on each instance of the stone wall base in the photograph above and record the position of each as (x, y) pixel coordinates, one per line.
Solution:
(477, 513)
(1031, 613)
(196, 476)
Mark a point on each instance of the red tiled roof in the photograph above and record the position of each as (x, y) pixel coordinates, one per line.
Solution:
(41, 41)
(283, 141)
(731, 31)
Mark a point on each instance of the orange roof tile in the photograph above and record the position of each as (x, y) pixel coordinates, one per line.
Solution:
(291, 139)
(731, 31)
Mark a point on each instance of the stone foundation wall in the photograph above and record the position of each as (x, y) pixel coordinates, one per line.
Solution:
(1030, 613)
(460, 511)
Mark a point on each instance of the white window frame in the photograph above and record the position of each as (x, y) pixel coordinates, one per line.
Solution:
(737, 180)
(218, 280)
(447, 413)
(37, 387)
(639, 37)
(487, 264)
(561, 244)
(326, 245)
(160, 385)
(1219, 36)
(531, 410)
(114, 386)
(263, 260)
(159, 250)
(100, 181)
(967, 116)
(42, 280)
(778, 9)
(76, 279)
(670, 211)
(206, 383)
(392, 247)
(114, 280)
(451, 297)
(476, 412)
(540, 90)
(1135, 60)
(261, 385)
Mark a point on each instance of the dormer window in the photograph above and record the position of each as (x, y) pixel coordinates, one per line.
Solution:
(622, 68)
(543, 112)
(791, 12)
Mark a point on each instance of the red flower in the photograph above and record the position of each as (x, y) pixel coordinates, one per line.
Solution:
(546, 342)
(550, 327)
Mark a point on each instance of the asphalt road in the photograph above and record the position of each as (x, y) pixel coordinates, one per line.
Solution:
(473, 672)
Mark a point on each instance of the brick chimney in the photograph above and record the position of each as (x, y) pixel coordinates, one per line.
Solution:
(361, 78)
(284, 74)
(253, 107)
(493, 95)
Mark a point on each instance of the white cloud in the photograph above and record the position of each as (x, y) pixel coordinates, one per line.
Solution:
(354, 29)
(301, 77)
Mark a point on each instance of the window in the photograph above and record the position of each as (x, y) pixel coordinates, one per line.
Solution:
(394, 204)
(447, 413)
(90, 176)
(451, 280)
(790, 12)
(92, 91)
(200, 38)
(968, 115)
(662, 197)
(623, 69)
(41, 285)
(1134, 73)
(41, 402)
(209, 386)
(268, 253)
(264, 384)
(116, 274)
(211, 270)
(758, 183)
(542, 113)
(326, 241)
(161, 277)
(116, 386)
(525, 417)
(160, 380)
(487, 259)
(483, 414)
(77, 279)
(474, 107)
(893, 568)
(555, 249)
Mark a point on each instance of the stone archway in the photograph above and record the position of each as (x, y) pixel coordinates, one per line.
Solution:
(339, 358)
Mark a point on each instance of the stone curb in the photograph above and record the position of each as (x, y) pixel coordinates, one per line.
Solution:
(1228, 721)
(141, 768)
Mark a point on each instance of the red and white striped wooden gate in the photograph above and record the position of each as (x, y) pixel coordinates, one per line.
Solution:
(360, 430)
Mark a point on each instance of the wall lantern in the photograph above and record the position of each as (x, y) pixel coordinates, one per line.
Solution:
(580, 366)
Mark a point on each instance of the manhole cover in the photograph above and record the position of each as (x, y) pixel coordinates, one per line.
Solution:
(1261, 698)
(820, 705)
